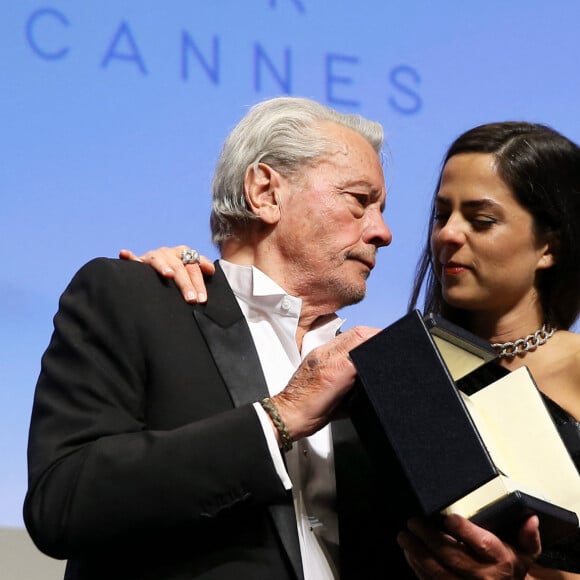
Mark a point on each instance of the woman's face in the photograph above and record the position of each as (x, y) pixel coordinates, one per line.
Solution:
(485, 252)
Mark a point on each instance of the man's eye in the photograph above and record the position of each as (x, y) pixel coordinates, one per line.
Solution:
(360, 198)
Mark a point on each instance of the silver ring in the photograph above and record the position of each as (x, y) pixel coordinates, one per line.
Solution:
(190, 256)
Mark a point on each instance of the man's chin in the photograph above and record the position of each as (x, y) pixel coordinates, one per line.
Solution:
(352, 294)
(356, 300)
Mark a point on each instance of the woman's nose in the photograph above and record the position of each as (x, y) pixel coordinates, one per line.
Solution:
(451, 231)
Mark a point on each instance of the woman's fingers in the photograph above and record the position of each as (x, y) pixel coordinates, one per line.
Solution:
(169, 262)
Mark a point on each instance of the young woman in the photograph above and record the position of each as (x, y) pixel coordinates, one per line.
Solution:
(503, 260)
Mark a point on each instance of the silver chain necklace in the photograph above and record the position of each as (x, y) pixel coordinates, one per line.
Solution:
(527, 344)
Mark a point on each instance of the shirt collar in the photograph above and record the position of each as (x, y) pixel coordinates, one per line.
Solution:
(252, 286)
(249, 281)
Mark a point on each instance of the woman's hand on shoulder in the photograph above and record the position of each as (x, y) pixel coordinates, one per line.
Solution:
(169, 262)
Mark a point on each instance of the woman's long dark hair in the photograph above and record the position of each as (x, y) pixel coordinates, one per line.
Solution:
(542, 168)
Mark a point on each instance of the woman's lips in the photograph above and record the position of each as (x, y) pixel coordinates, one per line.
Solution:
(453, 268)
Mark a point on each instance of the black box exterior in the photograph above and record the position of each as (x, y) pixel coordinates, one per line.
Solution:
(405, 404)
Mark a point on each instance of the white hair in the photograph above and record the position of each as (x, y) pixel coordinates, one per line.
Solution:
(285, 133)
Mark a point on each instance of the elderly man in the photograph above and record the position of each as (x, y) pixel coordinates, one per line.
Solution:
(171, 440)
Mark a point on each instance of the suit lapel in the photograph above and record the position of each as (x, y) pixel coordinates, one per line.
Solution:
(227, 334)
(229, 339)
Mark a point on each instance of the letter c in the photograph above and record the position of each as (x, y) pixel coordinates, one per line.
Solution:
(32, 37)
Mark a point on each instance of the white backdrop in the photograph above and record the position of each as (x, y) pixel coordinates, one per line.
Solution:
(113, 113)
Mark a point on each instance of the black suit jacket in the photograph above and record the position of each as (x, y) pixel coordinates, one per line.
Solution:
(146, 458)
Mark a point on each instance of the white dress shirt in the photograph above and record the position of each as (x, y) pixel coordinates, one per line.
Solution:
(272, 316)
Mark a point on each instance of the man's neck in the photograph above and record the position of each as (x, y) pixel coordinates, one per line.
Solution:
(312, 312)
(304, 327)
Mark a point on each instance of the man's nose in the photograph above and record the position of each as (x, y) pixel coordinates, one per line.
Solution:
(378, 232)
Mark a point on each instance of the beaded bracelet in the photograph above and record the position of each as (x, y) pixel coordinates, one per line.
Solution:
(270, 408)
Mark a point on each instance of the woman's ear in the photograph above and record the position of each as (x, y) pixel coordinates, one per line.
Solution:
(549, 253)
(262, 186)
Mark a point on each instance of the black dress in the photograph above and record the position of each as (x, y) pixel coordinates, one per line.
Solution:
(564, 555)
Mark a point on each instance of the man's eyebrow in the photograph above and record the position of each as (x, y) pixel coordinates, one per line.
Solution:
(357, 183)
(368, 187)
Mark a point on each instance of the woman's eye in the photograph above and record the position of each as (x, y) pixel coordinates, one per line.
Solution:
(482, 222)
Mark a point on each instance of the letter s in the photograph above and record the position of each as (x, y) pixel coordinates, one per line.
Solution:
(399, 76)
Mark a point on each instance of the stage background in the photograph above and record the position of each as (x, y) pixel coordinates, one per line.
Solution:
(113, 113)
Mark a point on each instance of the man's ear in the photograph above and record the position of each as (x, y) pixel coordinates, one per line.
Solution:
(262, 186)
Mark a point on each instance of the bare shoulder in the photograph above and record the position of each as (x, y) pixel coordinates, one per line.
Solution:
(569, 345)
(562, 382)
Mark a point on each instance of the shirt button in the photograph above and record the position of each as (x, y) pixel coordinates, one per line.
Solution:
(285, 304)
